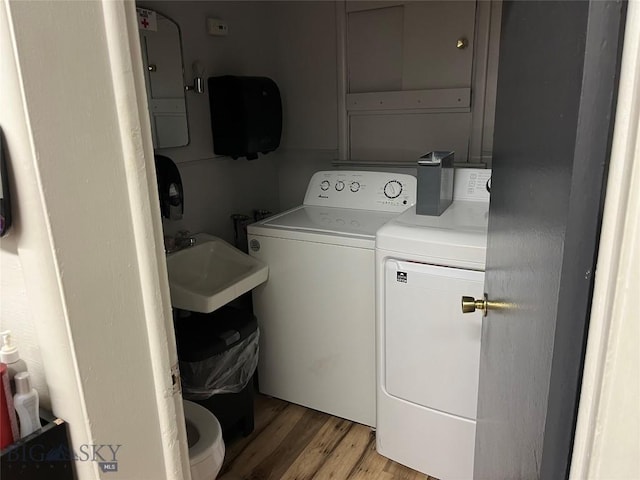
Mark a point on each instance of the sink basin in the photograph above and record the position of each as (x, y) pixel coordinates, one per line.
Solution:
(210, 274)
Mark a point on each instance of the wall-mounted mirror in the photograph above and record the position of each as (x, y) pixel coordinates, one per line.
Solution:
(162, 59)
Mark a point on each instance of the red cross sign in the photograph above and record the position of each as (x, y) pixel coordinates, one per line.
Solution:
(147, 20)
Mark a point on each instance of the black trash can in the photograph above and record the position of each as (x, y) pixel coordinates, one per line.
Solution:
(218, 354)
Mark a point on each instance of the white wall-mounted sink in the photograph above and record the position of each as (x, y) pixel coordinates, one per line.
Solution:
(210, 274)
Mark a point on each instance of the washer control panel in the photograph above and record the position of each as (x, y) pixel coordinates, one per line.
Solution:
(389, 192)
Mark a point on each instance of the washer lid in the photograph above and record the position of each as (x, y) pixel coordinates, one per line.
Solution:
(338, 221)
(458, 237)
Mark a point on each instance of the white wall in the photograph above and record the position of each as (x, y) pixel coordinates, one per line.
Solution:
(216, 187)
(294, 43)
(15, 315)
(247, 50)
(306, 59)
(616, 443)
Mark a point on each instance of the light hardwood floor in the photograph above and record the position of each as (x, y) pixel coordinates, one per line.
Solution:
(291, 442)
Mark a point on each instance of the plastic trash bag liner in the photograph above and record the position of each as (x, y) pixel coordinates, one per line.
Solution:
(228, 372)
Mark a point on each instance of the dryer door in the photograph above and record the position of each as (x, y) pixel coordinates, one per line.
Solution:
(431, 350)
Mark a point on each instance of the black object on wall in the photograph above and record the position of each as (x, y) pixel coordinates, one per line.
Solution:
(5, 198)
(169, 188)
(246, 115)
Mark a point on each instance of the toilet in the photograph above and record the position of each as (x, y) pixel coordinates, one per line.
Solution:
(204, 437)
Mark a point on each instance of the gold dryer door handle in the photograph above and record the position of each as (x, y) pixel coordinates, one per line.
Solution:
(470, 304)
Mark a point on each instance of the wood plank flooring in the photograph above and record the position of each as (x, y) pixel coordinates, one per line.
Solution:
(291, 442)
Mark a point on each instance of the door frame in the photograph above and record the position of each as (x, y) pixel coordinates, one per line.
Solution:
(88, 232)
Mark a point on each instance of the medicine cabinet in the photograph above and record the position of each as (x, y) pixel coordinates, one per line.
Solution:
(161, 47)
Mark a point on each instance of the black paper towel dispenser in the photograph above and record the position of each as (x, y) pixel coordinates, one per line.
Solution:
(246, 115)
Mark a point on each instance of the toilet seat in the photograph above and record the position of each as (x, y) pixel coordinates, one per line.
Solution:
(207, 454)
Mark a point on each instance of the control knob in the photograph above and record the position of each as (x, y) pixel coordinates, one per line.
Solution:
(393, 189)
(339, 185)
(324, 185)
(355, 186)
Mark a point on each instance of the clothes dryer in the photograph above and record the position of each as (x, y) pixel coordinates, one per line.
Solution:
(428, 352)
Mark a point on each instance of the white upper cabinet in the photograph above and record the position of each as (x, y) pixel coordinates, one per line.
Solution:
(410, 46)
(413, 70)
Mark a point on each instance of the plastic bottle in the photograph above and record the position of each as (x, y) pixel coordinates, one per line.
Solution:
(10, 356)
(9, 432)
(27, 405)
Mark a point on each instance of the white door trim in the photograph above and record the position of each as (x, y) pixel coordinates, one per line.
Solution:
(88, 232)
(137, 145)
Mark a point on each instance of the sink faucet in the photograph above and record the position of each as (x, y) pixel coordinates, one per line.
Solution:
(182, 240)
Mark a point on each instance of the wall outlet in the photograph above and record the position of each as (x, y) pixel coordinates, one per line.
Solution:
(217, 27)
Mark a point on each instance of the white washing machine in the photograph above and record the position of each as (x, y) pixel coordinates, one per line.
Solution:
(316, 311)
(428, 352)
